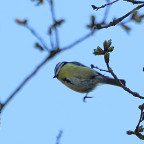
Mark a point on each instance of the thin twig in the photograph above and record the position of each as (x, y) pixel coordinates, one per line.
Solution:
(140, 119)
(118, 20)
(97, 8)
(51, 41)
(79, 40)
(134, 2)
(139, 129)
(0, 113)
(135, 94)
(51, 3)
(92, 66)
(59, 136)
(37, 36)
(106, 14)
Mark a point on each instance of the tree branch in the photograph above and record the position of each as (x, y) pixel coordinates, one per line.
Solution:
(37, 36)
(135, 94)
(139, 129)
(79, 40)
(134, 2)
(106, 13)
(59, 136)
(118, 20)
(51, 3)
(97, 8)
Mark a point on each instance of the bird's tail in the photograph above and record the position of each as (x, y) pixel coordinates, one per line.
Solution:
(112, 81)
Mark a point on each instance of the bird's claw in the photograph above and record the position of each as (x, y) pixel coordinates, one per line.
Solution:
(85, 97)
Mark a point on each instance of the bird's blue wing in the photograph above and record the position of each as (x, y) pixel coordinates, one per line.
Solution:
(77, 63)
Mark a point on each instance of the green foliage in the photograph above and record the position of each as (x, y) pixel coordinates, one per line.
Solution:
(107, 48)
(125, 27)
(98, 51)
(136, 17)
(107, 57)
(107, 44)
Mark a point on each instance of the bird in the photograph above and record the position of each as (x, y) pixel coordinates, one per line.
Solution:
(81, 78)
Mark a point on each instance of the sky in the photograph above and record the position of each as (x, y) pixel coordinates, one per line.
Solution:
(44, 106)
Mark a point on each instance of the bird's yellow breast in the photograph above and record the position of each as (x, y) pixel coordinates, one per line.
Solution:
(79, 78)
(71, 70)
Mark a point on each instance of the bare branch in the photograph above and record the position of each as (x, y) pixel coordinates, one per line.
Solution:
(135, 94)
(0, 112)
(37, 36)
(118, 20)
(92, 66)
(79, 40)
(106, 13)
(51, 41)
(97, 8)
(134, 2)
(25, 24)
(51, 3)
(59, 136)
(139, 129)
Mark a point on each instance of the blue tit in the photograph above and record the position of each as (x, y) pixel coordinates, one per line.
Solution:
(81, 78)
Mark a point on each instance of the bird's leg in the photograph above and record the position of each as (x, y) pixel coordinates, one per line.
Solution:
(85, 97)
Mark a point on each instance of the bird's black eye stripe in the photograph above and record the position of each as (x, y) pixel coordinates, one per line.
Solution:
(67, 80)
